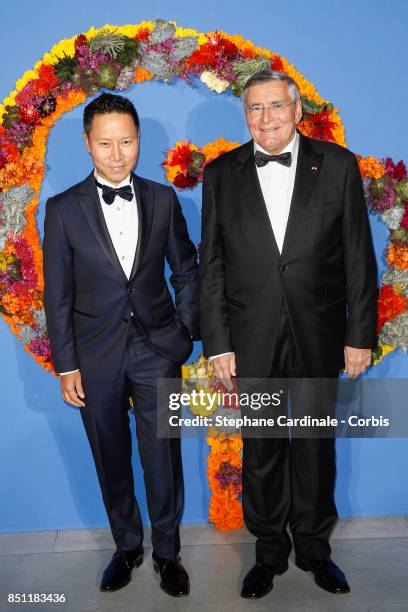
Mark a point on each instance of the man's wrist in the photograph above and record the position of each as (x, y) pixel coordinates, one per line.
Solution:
(66, 373)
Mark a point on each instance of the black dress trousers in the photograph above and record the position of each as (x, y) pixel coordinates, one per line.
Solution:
(289, 481)
(106, 420)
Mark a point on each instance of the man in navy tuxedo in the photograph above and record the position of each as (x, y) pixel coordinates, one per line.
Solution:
(114, 330)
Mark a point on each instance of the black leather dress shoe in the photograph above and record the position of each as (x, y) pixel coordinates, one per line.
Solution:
(174, 578)
(119, 571)
(326, 574)
(259, 580)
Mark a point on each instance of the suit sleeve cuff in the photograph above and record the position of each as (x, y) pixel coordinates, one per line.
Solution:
(220, 355)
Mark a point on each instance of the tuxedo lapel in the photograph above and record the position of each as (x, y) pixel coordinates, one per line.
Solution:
(145, 205)
(307, 171)
(247, 177)
(91, 207)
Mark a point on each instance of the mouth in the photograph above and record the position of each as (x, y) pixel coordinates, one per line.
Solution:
(269, 130)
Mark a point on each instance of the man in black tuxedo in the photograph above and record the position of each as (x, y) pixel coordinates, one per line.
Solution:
(114, 330)
(288, 288)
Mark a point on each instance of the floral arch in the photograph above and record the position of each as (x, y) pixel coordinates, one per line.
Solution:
(115, 58)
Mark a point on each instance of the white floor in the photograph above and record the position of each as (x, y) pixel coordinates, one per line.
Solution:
(372, 552)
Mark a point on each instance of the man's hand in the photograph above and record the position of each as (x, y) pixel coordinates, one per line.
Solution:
(72, 390)
(357, 360)
(224, 367)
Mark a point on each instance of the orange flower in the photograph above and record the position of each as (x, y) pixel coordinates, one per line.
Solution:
(397, 256)
(141, 74)
(390, 304)
(370, 167)
(225, 508)
(212, 150)
(225, 513)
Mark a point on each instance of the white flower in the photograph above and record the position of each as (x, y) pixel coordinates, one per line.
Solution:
(213, 82)
(392, 217)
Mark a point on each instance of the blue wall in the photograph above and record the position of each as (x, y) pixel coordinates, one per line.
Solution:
(353, 53)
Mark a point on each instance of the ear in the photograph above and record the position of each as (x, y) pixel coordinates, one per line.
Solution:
(86, 140)
(298, 111)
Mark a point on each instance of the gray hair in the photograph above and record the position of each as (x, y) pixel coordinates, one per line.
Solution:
(265, 76)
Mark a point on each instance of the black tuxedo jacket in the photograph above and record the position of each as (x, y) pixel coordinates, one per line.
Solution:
(89, 300)
(326, 271)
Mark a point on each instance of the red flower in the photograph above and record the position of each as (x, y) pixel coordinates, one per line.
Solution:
(390, 304)
(248, 53)
(142, 35)
(276, 63)
(210, 53)
(30, 114)
(395, 171)
(232, 399)
(80, 41)
(322, 126)
(204, 56)
(404, 220)
(182, 182)
(223, 46)
(180, 156)
(48, 78)
(29, 91)
(9, 150)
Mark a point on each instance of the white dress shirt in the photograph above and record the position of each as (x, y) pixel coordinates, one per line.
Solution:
(122, 221)
(277, 182)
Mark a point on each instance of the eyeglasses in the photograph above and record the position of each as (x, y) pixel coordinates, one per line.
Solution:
(276, 108)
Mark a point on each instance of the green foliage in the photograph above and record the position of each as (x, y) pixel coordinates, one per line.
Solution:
(65, 68)
(310, 106)
(109, 42)
(247, 68)
(129, 53)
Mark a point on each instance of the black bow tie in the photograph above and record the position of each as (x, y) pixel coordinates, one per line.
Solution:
(109, 193)
(261, 159)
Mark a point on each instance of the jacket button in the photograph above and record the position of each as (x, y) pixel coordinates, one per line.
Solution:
(131, 290)
(283, 268)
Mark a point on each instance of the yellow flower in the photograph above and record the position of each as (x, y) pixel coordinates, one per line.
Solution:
(180, 32)
(386, 348)
(27, 76)
(172, 172)
(146, 24)
(128, 30)
(66, 46)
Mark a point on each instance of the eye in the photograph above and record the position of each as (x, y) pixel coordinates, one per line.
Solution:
(277, 106)
(255, 108)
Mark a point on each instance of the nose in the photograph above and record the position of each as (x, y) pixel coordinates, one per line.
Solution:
(268, 114)
(116, 153)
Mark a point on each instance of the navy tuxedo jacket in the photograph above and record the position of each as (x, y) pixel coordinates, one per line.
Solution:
(326, 271)
(89, 300)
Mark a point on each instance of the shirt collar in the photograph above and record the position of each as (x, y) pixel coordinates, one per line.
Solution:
(103, 181)
(291, 147)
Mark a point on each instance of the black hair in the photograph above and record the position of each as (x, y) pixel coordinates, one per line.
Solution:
(109, 103)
